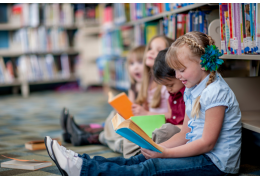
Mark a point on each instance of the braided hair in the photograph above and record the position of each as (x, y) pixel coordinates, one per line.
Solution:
(196, 42)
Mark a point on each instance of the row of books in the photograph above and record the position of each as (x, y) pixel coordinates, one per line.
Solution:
(120, 13)
(177, 25)
(112, 71)
(240, 28)
(35, 14)
(34, 68)
(38, 39)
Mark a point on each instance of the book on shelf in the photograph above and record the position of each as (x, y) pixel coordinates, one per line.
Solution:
(38, 144)
(131, 130)
(25, 164)
(121, 104)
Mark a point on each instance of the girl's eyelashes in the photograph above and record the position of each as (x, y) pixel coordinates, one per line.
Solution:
(182, 70)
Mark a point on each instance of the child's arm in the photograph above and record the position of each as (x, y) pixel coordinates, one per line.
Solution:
(131, 95)
(212, 127)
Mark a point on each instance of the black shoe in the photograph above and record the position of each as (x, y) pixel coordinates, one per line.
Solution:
(78, 137)
(63, 122)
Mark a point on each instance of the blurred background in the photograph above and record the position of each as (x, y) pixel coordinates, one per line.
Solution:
(45, 46)
(70, 55)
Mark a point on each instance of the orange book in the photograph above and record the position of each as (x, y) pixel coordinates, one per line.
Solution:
(122, 104)
(38, 145)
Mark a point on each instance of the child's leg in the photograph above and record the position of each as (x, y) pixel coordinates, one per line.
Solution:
(117, 160)
(109, 137)
(164, 133)
(190, 166)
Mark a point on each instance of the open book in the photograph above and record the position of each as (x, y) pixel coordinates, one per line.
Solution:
(131, 130)
(25, 164)
(121, 104)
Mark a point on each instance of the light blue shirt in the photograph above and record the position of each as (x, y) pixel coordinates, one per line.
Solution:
(226, 153)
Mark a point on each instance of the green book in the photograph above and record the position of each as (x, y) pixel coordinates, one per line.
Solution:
(149, 123)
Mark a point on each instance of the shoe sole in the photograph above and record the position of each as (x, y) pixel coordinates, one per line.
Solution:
(55, 161)
(63, 173)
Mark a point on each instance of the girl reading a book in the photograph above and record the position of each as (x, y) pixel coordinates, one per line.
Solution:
(209, 142)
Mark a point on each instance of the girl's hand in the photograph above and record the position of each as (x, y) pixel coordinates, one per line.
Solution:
(148, 154)
(138, 110)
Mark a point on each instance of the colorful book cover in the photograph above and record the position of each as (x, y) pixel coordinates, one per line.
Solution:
(258, 28)
(227, 30)
(150, 30)
(237, 41)
(187, 23)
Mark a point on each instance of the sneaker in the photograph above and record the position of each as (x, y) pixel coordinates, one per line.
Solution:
(48, 144)
(68, 162)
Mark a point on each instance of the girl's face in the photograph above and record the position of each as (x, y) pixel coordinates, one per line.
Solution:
(173, 85)
(136, 68)
(193, 73)
(156, 45)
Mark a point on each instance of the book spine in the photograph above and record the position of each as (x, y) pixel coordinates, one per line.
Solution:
(247, 26)
(251, 11)
(244, 28)
(227, 30)
(237, 43)
(255, 28)
(224, 9)
(230, 27)
(241, 28)
(258, 28)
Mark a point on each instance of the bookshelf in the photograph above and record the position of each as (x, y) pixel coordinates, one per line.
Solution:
(65, 18)
(241, 86)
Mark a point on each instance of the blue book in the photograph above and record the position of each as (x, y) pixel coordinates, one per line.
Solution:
(131, 130)
(190, 20)
(4, 39)
(252, 27)
(3, 13)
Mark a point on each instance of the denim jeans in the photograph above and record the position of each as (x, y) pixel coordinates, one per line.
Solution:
(139, 166)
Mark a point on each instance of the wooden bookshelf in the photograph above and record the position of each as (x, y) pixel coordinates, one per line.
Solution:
(161, 15)
(14, 83)
(72, 78)
(9, 53)
(251, 120)
(241, 57)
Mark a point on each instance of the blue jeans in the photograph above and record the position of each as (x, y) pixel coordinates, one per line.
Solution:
(139, 166)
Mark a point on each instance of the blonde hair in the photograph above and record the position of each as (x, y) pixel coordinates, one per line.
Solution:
(196, 42)
(147, 75)
(139, 55)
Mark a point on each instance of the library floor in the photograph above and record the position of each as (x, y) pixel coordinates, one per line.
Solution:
(23, 120)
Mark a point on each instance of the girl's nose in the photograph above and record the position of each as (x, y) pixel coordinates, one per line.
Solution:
(177, 75)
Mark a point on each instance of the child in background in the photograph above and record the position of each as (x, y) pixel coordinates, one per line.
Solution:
(152, 98)
(80, 136)
(209, 142)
